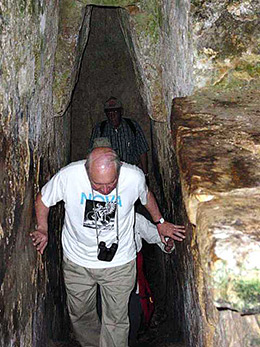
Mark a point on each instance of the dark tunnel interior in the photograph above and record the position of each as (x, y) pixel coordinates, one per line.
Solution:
(107, 70)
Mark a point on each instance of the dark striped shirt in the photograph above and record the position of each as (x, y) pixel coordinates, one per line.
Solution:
(129, 146)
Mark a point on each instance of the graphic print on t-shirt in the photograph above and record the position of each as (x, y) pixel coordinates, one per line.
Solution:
(100, 215)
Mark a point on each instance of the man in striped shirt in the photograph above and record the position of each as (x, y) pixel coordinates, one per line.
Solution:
(125, 135)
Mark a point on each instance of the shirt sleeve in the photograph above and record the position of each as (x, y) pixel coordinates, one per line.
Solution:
(148, 231)
(141, 143)
(53, 191)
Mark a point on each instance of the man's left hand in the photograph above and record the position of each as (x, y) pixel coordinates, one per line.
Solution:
(176, 232)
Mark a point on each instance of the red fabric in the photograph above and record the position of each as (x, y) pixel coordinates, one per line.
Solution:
(145, 293)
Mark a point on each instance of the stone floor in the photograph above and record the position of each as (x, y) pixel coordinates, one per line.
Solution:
(141, 344)
(159, 337)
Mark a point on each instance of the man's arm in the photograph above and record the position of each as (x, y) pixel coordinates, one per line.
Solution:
(40, 235)
(165, 229)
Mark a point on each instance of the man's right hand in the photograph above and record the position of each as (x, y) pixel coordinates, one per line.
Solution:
(40, 239)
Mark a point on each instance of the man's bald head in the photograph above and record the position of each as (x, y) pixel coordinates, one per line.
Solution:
(103, 166)
(102, 157)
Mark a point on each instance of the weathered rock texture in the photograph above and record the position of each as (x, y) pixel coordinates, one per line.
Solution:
(215, 136)
(157, 34)
(28, 156)
(217, 145)
(216, 140)
(72, 37)
(226, 41)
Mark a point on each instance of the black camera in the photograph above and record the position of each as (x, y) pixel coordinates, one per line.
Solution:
(105, 253)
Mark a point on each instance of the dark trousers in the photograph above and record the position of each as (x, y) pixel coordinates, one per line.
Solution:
(135, 316)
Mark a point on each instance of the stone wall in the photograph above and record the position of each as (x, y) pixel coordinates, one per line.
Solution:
(73, 33)
(159, 40)
(28, 156)
(217, 149)
(215, 139)
(215, 135)
(225, 41)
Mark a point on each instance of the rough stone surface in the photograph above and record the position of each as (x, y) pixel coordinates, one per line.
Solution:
(161, 52)
(216, 136)
(28, 156)
(225, 40)
(221, 124)
(72, 37)
(231, 332)
(177, 54)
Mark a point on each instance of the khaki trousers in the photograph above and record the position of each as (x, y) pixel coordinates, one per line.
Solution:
(116, 285)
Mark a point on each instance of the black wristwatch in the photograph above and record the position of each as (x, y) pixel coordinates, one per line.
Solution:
(160, 221)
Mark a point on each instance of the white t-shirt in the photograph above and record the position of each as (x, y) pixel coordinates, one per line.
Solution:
(79, 234)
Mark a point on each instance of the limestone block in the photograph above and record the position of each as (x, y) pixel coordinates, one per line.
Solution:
(228, 239)
(217, 143)
(237, 330)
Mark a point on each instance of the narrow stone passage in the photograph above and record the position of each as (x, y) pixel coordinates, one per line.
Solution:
(188, 73)
(107, 70)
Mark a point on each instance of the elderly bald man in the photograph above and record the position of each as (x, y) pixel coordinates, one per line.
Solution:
(97, 240)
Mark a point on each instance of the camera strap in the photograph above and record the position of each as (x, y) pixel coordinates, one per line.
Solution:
(116, 216)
